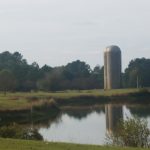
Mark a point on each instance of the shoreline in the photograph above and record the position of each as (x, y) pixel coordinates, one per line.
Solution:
(40, 100)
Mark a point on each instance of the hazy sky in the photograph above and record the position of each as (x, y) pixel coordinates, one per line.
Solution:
(56, 32)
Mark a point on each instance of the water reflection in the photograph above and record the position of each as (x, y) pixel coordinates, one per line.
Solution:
(86, 125)
(83, 112)
(114, 113)
(34, 118)
(90, 128)
(140, 110)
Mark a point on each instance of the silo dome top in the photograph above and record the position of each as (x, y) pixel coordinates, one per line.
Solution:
(112, 48)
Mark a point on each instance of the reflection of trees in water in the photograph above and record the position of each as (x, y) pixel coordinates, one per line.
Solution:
(45, 118)
(46, 123)
(39, 118)
(140, 110)
(83, 112)
(114, 114)
(28, 123)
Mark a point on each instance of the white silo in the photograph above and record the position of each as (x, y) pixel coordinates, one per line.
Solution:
(112, 67)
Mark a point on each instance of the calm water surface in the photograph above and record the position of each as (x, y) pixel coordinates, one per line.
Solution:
(89, 127)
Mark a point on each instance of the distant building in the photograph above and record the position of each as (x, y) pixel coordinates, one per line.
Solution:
(112, 67)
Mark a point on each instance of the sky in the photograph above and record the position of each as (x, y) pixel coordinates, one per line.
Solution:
(55, 32)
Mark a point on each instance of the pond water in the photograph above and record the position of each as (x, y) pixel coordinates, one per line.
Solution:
(83, 125)
(89, 126)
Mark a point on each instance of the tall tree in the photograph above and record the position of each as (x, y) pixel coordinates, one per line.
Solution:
(97, 77)
(77, 69)
(7, 81)
(137, 73)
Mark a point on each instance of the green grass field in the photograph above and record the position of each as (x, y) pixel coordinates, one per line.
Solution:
(12, 144)
(22, 100)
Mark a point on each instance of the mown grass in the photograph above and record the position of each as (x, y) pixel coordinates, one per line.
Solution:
(22, 100)
(12, 144)
(72, 93)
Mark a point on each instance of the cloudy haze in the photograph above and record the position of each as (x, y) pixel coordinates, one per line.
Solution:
(56, 32)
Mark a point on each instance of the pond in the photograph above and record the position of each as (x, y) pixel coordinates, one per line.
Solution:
(89, 125)
(83, 125)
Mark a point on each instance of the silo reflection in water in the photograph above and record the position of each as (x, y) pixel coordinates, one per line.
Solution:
(114, 114)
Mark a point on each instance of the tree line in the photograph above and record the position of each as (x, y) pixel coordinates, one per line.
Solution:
(17, 75)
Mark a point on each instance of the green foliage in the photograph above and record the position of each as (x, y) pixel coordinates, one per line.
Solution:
(75, 75)
(18, 132)
(97, 76)
(31, 134)
(137, 71)
(7, 81)
(132, 132)
(77, 69)
(51, 81)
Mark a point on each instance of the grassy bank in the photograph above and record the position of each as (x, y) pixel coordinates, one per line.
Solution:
(24, 101)
(11, 144)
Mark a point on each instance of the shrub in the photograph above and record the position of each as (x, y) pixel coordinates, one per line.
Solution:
(32, 134)
(18, 132)
(130, 132)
